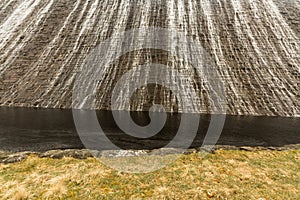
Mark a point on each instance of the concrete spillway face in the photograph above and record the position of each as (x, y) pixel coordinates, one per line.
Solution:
(179, 45)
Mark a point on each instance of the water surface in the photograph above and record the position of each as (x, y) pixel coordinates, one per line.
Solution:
(44, 129)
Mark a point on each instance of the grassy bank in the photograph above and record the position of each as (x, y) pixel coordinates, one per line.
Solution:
(223, 175)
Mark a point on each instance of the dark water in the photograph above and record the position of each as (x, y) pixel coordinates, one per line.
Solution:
(44, 129)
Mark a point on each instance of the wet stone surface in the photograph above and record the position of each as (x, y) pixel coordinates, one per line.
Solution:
(8, 157)
(254, 45)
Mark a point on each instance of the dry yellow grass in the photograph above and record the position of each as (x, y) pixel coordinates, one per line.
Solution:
(224, 175)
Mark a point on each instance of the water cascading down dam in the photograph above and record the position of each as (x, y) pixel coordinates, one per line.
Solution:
(254, 45)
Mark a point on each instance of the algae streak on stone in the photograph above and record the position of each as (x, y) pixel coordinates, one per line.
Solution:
(255, 45)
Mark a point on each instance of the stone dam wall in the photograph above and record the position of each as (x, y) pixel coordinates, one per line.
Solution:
(254, 45)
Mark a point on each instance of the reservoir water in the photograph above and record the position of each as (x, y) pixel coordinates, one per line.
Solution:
(23, 129)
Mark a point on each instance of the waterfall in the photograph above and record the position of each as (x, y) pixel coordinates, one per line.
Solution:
(254, 45)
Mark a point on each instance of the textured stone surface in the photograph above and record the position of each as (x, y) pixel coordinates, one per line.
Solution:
(255, 45)
(8, 157)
